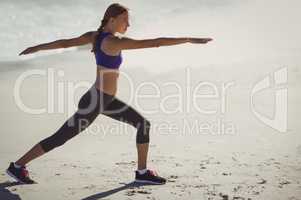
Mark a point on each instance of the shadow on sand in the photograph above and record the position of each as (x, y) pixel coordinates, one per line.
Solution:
(6, 194)
(115, 190)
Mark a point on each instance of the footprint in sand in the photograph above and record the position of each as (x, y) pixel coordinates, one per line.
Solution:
(89, 187)
(262, 181)
(178, 165)
(283, 183)
(172, 178)
(126, 163)
(202, 166)
(226, 173)
(224, 196)
(240, 198)
(135, 191)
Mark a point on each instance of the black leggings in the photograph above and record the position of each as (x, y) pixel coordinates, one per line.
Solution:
(92, 103)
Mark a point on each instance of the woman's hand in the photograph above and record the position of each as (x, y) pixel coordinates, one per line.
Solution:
(199, 40)
(29, 50)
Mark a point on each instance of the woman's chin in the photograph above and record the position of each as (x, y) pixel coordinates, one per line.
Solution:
(122, 32)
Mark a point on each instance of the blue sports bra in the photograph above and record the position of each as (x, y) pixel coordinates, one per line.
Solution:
(108, 61)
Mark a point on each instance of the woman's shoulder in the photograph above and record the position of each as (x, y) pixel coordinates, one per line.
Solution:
(109, 45)
(88, 36)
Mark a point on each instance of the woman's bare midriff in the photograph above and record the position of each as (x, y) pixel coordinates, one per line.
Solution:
(106, 79)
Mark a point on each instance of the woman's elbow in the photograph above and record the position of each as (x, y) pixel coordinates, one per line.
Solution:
(140, 44)
(158, 42)
(63, 43)
(150, 43)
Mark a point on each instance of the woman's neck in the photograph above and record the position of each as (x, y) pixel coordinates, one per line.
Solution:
(108, 30)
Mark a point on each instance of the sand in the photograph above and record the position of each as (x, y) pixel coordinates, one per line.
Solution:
(229, 154)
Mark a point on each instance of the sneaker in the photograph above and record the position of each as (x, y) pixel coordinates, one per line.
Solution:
(150, 176)
(19, 174)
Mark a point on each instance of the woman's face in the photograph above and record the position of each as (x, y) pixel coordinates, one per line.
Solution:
(121, 22)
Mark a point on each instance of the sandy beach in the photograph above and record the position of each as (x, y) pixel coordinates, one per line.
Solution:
(224, 116)
(226, 155)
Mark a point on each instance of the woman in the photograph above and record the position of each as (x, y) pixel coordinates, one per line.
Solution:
(100, 98)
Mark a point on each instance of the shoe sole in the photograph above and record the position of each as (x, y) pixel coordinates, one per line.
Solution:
(145, 181)
(13, 176)
(18, 180)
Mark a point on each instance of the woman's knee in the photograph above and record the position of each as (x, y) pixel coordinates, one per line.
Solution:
(52, 142)
(143, 130)
(73, 126)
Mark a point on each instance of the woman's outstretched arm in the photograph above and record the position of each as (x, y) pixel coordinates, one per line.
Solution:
(63, 43)
(128, 43)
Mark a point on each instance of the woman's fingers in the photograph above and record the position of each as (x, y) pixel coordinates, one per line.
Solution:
(23, 52)
(208, 39)
(28, 51)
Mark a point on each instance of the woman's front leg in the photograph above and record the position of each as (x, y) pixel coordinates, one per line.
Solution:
(122, 112)
(142, 150)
